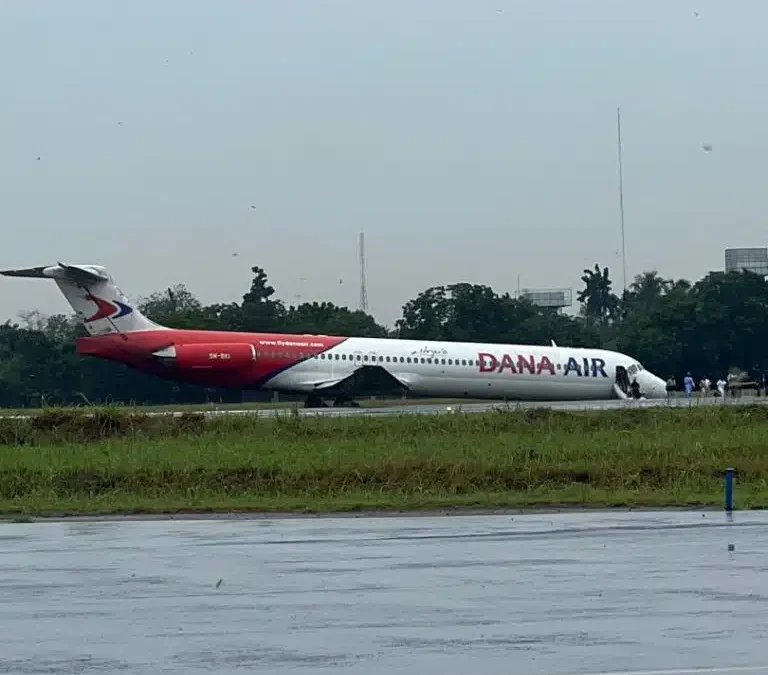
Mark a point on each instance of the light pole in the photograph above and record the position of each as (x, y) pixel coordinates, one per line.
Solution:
(621, 201)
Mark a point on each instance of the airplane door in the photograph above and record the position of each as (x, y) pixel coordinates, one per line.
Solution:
(622, 379)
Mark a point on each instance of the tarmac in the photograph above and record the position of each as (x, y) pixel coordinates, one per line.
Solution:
(469, 408)
(641, 593)
(436, 409)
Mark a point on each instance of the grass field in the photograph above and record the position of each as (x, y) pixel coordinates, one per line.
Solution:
(116, 462)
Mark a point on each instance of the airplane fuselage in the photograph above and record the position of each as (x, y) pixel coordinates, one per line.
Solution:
(315, 363)
(323, 366)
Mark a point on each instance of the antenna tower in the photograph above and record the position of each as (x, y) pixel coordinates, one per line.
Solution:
(363, 291)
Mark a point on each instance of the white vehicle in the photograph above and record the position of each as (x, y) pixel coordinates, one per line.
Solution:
(336, 367)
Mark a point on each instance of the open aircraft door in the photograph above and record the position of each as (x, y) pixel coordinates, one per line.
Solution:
(621, 384)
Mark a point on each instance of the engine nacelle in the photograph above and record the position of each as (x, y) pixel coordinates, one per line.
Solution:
(209, 356)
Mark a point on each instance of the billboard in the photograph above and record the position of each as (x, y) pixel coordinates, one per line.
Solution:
(549, 297)
(752, 259)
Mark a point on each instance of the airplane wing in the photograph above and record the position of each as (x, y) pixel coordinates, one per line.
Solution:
(364, 381)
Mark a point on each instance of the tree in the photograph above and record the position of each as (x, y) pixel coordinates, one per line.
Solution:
(659, 330)
(176, 307)
(325, 318)
(473, 313)
(456, 312)
(259, 311)
(644, 291)
(731, 317)
(599, 303)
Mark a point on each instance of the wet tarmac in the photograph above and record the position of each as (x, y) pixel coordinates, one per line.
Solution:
(541, 594)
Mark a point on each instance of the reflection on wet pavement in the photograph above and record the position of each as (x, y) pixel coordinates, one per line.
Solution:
(543, 594)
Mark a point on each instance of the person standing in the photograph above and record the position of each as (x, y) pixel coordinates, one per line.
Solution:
(721, 387)
(689, 385)
(671, 387)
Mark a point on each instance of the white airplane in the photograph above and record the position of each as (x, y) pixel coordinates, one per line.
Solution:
(334, 367)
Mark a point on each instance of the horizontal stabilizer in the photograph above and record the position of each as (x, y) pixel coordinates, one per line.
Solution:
(77, 273)
(34, 272)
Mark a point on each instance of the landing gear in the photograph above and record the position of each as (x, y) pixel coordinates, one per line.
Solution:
(341, 402)
(314, 401)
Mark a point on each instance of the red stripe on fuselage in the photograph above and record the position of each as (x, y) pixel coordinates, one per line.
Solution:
(276, 352)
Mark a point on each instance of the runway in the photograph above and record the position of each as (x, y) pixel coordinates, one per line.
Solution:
(543, 594)
(437, 409)
(453, 408)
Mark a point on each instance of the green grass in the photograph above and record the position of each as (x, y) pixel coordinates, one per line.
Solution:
(265, 405)
(116, 462)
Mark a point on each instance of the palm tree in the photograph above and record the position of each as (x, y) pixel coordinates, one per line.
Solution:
(599, 303)
(645, 289)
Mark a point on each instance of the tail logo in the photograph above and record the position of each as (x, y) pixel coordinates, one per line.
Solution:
(108, 310)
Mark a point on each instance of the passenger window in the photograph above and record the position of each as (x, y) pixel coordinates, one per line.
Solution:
(442, 361)
(402, 359)
(337, 357)
(408, 359)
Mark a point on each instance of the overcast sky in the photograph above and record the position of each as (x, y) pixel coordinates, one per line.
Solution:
(471, 140)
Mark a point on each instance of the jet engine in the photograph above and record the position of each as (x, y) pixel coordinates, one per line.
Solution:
(208, 356)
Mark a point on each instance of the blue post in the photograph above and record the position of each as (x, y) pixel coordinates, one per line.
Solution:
(729, 489)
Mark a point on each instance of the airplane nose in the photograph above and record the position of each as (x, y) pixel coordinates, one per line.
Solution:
(657, 388)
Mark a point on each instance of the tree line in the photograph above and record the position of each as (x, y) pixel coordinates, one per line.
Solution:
(715, 325)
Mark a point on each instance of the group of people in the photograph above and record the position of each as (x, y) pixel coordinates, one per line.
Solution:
(732, 384)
